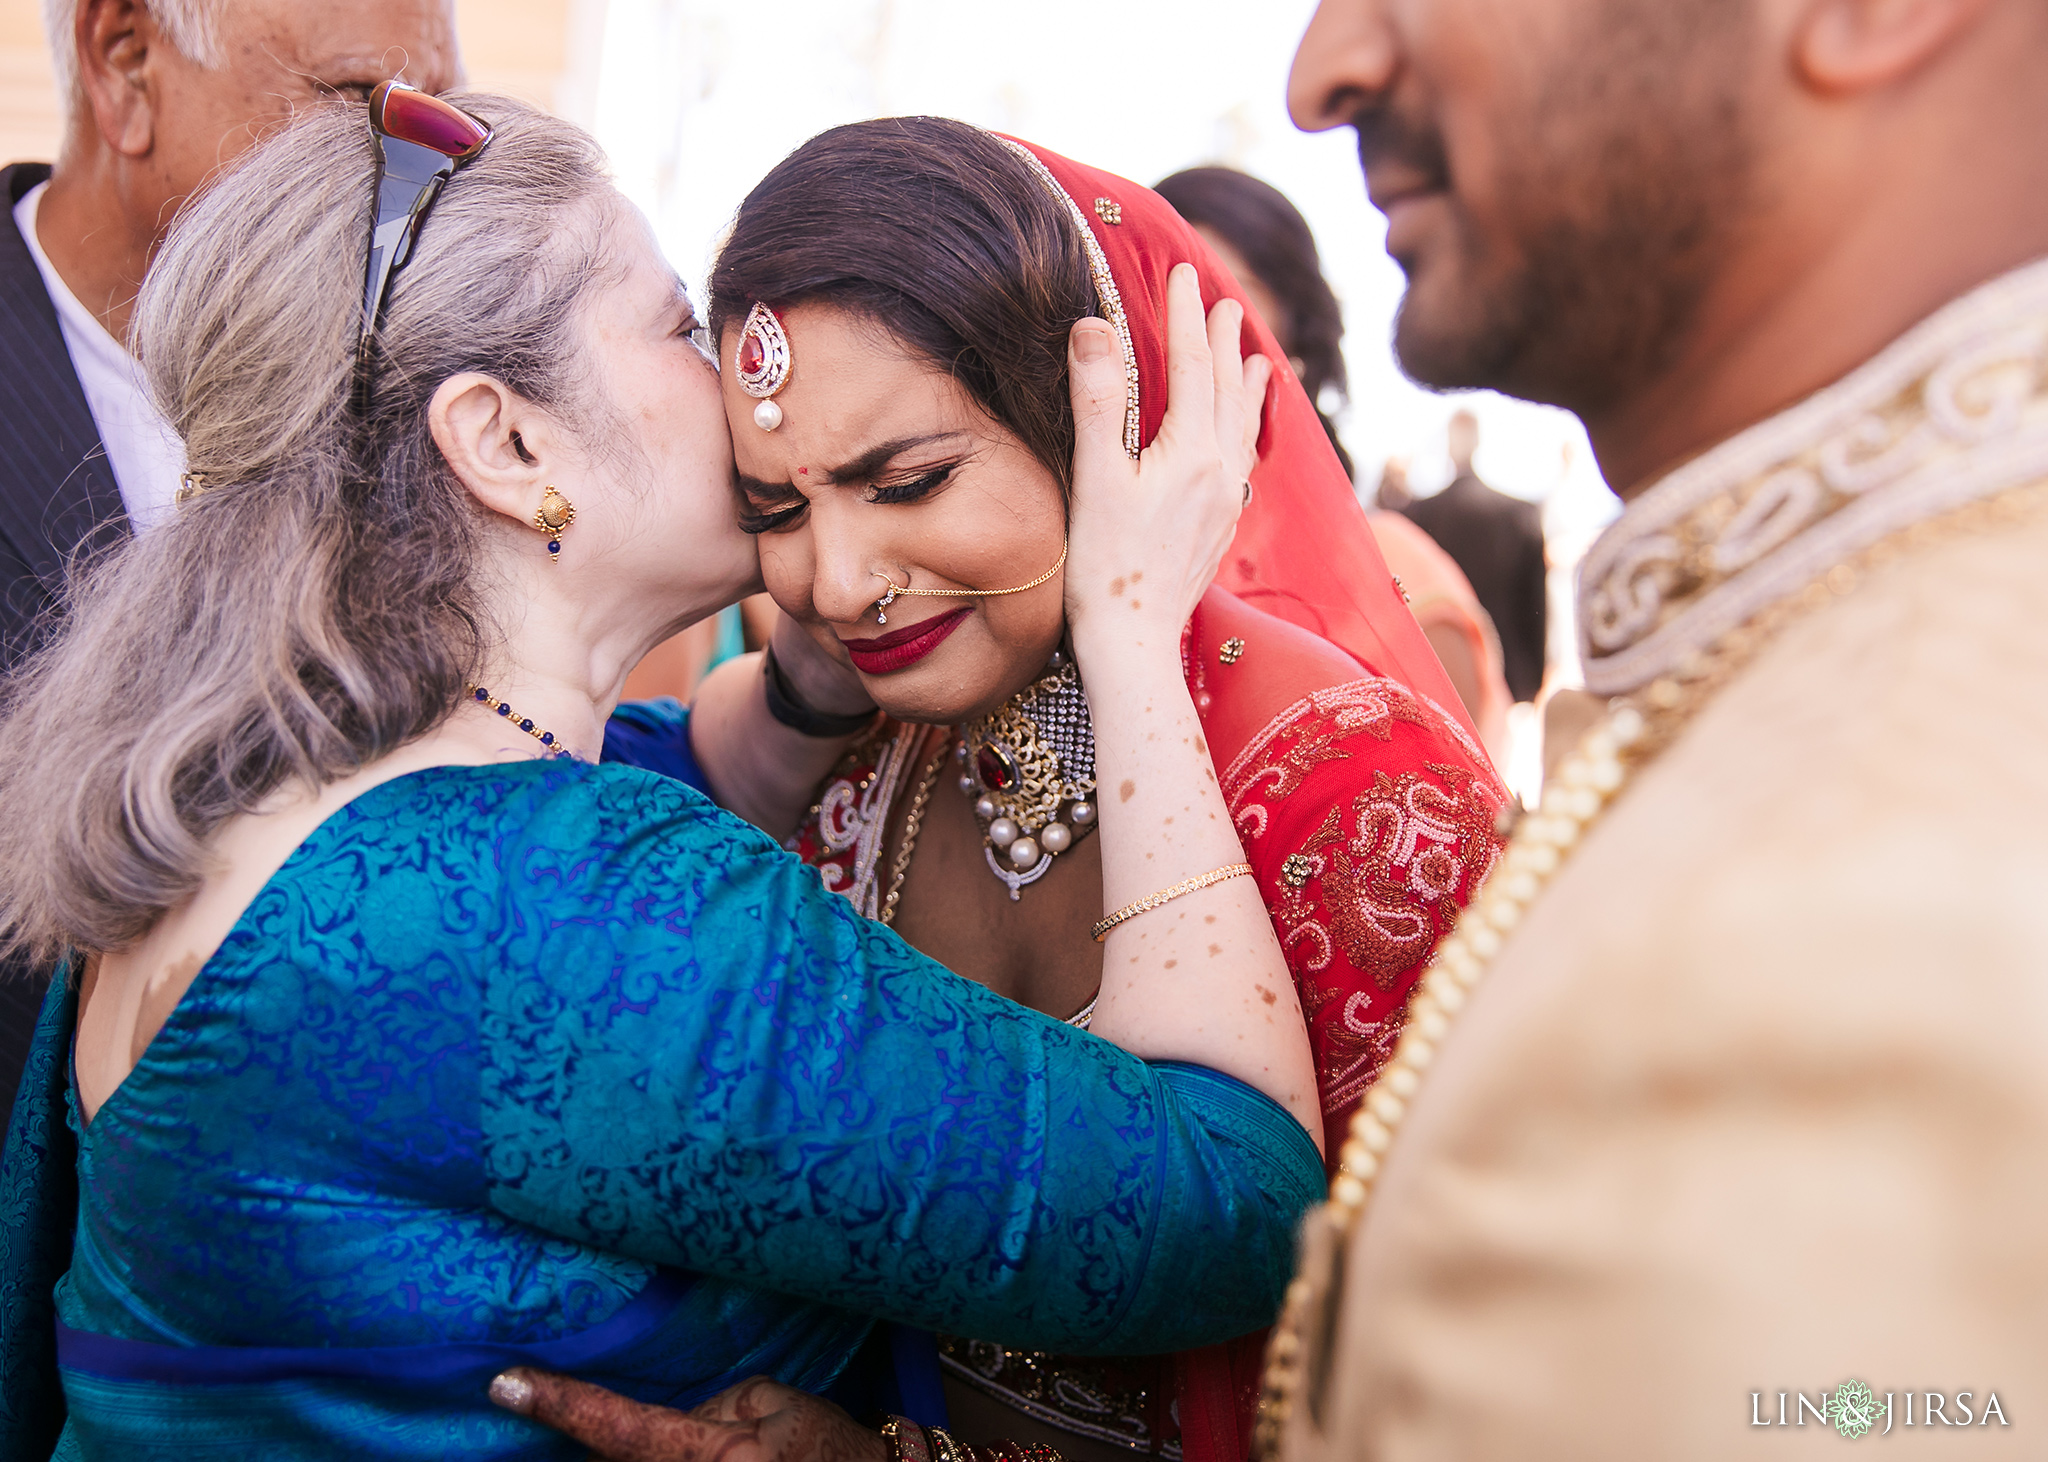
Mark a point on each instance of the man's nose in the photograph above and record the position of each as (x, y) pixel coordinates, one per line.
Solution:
(1345, 62)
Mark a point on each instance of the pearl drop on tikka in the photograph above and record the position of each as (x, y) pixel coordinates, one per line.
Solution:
(967, 785)
(1023, 854)
(767, 416)
(1056, 837)
(1003, 832)
(1083, 813)
(984, 808)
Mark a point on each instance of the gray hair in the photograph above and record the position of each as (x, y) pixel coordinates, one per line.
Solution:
(318, 604)
(193, 26)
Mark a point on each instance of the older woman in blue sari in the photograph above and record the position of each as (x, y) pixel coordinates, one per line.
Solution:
(404, 1041)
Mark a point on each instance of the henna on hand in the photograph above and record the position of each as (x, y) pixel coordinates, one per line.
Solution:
(759, 1420)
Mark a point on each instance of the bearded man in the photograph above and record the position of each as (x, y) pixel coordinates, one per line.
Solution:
(1724, 1108)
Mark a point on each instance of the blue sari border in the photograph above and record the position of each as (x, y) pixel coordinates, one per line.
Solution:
(405, 1366)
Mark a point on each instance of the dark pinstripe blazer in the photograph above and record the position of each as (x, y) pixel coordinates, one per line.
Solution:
(58, 489)
(56, 493)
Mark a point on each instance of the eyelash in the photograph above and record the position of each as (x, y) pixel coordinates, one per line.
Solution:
(899, 492)
(753, 522)
(917, 487)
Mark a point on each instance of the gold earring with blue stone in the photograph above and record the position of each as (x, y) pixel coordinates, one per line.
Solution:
(555, 513)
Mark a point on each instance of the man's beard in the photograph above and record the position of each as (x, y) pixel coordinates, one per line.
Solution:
(1617, 214)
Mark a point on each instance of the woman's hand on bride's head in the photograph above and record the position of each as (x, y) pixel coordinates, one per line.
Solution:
(1147, 536)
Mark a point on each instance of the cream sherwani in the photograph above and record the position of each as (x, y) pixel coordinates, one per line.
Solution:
(1755, 1098)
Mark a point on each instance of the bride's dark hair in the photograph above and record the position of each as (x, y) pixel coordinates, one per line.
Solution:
(939, 234)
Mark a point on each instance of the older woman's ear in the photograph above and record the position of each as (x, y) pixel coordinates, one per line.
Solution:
(497, 443)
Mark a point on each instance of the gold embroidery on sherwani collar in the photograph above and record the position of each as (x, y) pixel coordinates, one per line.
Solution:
(1952, 412)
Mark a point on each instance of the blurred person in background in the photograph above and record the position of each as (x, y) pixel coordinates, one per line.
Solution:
(1393, 493)
(1497, 541)
(157, 95)
(1266, 243)
(1731, 1082)
(1267, 246)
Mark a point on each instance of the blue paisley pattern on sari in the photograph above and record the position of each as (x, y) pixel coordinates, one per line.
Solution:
(554, 1063)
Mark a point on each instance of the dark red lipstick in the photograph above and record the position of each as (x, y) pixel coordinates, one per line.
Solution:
(902, 648)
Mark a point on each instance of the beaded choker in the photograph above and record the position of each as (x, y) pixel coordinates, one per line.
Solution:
(525, 723)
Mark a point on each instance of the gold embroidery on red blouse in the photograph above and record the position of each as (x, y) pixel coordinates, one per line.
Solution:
(843, 835)
(1306, 734)
(1380, 879)
(1355, 1046)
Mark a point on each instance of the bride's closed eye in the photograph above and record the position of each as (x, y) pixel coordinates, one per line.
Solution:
(753, 520)
(770, 507)
(910, 490)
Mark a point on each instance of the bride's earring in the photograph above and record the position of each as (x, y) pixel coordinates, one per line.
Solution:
(555, 513)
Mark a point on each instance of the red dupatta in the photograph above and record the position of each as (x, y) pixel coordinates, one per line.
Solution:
(1352, 769)
(1304, 551)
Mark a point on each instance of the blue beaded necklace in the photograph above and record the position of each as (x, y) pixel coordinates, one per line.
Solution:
(545, 738)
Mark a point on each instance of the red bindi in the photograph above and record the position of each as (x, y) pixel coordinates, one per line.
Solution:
(803, 472)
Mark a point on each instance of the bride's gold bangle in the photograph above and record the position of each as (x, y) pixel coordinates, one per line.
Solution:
(1167, 896)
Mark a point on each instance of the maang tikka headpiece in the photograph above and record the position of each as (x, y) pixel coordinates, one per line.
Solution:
(761, 361)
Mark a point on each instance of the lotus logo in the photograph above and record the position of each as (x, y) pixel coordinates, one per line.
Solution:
(1853, 1409)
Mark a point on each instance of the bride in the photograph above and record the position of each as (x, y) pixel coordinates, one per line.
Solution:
(407, 1041)
(891, 309)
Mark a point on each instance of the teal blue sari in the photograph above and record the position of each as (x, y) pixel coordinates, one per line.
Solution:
(558, 1065)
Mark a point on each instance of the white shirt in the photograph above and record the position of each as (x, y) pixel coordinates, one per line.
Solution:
(145, 454)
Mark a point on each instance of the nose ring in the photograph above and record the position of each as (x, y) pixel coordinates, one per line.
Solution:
(882, 604)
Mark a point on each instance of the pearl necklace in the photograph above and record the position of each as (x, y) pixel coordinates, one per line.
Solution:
(1635, 730)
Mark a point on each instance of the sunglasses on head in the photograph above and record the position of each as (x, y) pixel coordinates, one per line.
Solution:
(421, 141)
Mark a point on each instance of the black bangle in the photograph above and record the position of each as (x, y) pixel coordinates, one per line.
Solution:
(784, 706)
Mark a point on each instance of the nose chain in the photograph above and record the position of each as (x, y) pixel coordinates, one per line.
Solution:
(904, 591)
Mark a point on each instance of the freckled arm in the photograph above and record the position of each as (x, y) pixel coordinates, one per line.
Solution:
(1200, 978)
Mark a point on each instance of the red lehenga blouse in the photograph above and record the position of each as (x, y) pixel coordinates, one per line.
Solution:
(1367, 809)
